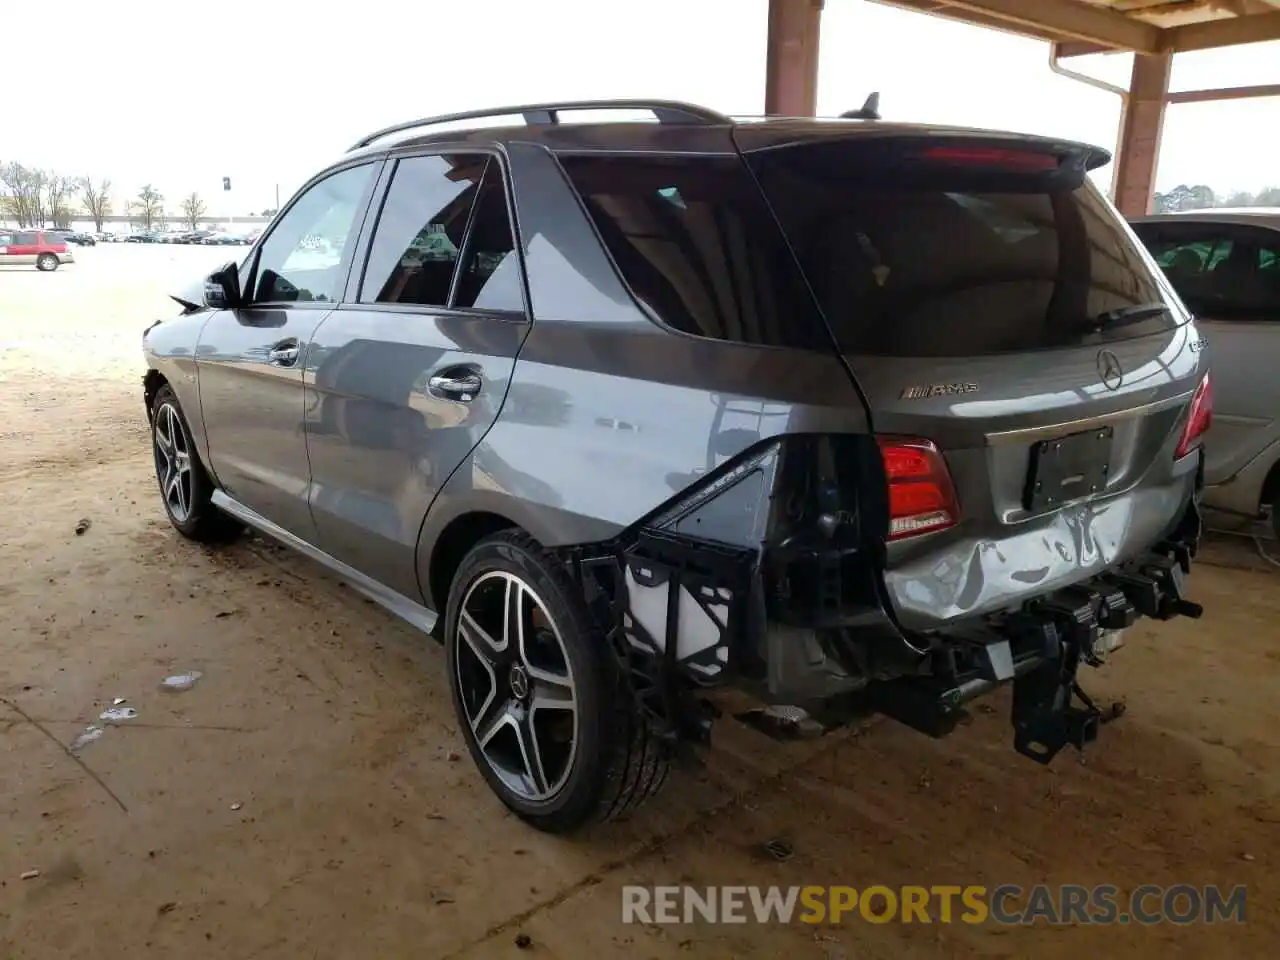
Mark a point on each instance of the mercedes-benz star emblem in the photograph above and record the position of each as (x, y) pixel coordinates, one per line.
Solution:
(519, 682)
(1109, 370)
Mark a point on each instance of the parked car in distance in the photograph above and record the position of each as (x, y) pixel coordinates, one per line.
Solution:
(225, 240)
(1225, 264)
(72, 236)
(149, 236)
(44, 250)
(842, 414)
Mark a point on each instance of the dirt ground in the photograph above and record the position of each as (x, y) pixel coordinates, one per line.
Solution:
(305, 798)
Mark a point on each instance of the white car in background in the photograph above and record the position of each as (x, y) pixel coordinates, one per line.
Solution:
(1226, 266)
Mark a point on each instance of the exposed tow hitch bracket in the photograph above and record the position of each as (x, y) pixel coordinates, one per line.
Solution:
(1068, 627)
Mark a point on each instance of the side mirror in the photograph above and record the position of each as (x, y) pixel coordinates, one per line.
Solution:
(222, 288)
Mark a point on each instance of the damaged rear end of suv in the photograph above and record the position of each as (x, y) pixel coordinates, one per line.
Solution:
(1016, 475)
(853, 416)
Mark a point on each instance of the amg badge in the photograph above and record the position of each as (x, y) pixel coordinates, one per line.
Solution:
(938, 390)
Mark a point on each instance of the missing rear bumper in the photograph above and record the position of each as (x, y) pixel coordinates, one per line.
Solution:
(802, 620)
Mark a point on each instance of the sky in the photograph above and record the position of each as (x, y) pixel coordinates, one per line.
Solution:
(266, 92)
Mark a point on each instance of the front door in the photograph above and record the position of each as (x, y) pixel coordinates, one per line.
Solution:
(1229, 275)
(403, 382)
(250, 360)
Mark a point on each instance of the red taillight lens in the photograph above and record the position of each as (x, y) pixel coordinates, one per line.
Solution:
(1027, 161)
(1199, 418)
(921, 496)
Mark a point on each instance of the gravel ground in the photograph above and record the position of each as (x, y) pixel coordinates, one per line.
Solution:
(305, 797)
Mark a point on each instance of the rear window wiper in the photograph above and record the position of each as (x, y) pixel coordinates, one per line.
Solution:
(1122, 316)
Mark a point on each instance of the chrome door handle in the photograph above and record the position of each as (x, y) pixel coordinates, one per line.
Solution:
(284, 356)
(461, 387)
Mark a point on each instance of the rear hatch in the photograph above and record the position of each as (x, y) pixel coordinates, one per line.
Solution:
(989, 300)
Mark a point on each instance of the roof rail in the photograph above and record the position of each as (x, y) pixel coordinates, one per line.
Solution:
(665, 111)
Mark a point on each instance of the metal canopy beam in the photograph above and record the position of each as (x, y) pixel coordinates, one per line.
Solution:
(1141, 127)
(1082, 26)
(1223, 33)
(791, 70)
(1069, 20)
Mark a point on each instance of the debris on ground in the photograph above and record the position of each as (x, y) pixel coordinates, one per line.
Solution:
(117, 714)
(523, 941)
(90, 734)
(441, 896)
(168, 907)
(30, 875)
(119, 700)
(779, 849)
(1248, 857)
(83, 524)
(237, 805)
(453, 756)
(781, 722)
(181, 681)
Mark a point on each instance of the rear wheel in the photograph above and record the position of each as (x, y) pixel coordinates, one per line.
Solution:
(46, 262)
(538, 695)
(185, 488)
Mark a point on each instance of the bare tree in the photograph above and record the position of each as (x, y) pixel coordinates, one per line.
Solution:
(57, 190)
(96, 200)
(192, 210)
(24, 188)
(148, 207)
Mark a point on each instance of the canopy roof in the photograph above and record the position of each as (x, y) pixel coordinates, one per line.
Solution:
(1095, 26)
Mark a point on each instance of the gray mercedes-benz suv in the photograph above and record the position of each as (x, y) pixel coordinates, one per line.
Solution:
(851, 415)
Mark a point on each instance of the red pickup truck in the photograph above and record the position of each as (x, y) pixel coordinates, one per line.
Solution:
(45, 250)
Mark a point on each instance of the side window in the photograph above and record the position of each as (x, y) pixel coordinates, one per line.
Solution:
(6, 239)
(490, 277)
(301, 260)
(1233, 274)
(26, 239)
(420, 232)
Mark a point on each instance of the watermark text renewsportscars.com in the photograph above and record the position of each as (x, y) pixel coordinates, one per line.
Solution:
(1005, 904)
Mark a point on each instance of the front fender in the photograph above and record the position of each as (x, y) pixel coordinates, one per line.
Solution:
(169, 347)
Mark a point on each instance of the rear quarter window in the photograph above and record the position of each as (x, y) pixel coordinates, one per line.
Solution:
(698, 247)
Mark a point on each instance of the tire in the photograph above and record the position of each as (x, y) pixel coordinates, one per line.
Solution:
(613, 761)
(185, 487)
(47, 262)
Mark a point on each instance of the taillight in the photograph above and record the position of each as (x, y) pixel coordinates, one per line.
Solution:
(1198, 420)
(921, 496)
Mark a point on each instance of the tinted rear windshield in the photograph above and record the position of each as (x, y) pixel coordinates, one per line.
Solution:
(919, 251)
(936, 259)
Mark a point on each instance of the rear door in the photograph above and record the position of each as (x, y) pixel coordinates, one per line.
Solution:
(966, 282)
(404, 380)
(1229, 275)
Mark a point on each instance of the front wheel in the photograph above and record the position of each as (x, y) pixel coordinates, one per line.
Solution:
(185, 487)
(46, 262)
(539, 697)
